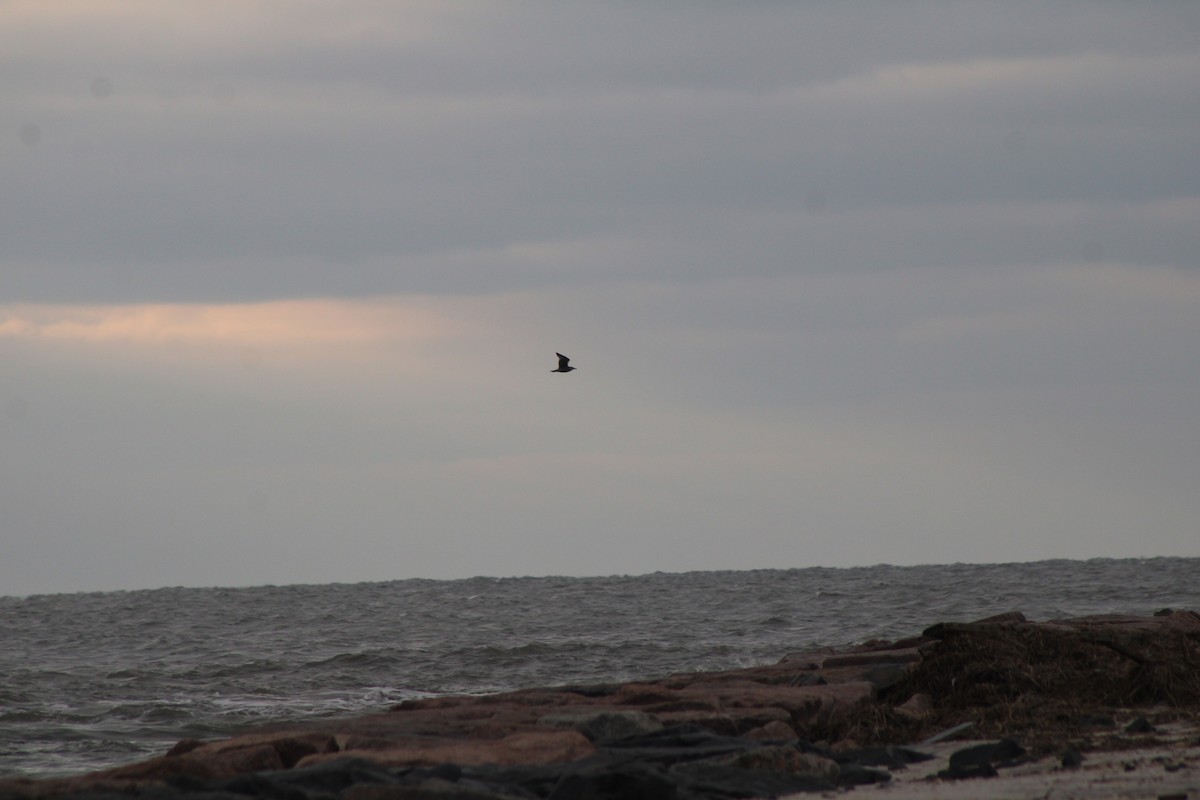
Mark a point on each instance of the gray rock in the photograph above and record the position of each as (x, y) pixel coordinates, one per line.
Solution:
(716, 780)
(605, 726)
(890, 756)
(328, 778)
(980, 761)
(633, 781)
(851, 775)
(885, 676)
(1140, 725)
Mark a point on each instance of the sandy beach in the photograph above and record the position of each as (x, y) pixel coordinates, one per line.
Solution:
(1167, 770)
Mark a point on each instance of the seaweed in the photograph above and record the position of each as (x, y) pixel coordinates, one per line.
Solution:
(1048, 685)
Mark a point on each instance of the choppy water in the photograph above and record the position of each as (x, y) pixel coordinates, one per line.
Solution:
(93, 680)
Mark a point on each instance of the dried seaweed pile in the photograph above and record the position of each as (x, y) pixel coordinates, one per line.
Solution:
(982, 665)
(1045, 684)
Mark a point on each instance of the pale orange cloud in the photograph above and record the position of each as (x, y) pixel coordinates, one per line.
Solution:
(270, 324)
(189, 28)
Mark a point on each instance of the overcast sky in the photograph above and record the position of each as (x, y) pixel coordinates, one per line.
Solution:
(281, 285)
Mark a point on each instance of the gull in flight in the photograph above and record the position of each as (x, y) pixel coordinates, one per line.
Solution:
(562, 364)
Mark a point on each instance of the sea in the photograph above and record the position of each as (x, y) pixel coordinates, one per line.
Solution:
(94, 680)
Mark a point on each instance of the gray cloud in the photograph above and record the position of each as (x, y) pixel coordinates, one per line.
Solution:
(325, 160)
(917, 278)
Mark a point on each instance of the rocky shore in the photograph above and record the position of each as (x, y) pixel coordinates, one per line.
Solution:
(961, 710)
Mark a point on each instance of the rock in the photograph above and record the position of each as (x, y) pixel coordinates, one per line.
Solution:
(851, 775)
(604, 726)
(716, 780)
(773, 730)
(328, 778)
(527, 697)
(983, 770)
(353, 743)
(1177, 620)
(694, 704)
(1181, 621)
(428, 789)
(980, 760)
(680, 742)
(1008, 617)
(184, 746)
(1072, 758)
(890, 756)
(919, 642)
(807, 679)
(291, 746)
(1140, 725)
(715, 721)
(809, 659)
(425, 703)
(1096, 721)
(873, 658)
(803, 703)
(523, 747)
(885, 676)
(636, 694)
(687, 760)
(781, 758)
(632, 781)
(592, 689)
(199, 764)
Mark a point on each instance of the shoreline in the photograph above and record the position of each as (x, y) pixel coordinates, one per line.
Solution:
(1066, 697)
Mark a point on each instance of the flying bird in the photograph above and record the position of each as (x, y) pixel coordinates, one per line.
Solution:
(562, 364)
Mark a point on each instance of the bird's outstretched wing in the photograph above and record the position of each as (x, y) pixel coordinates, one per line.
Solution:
(562, 360)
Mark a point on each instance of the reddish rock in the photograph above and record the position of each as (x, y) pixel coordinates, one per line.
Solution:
(432, 789)
(774, 729)
(184, 746)
(729, 722)
(527, 747)
(290, 745)
(227, 758)
(874, 657)
(802, 703)
(693, 704)
(62, 787)
(714, 721)
(1008, 617)
(784, 758)
(757, 717)
(423, 703)
(1180, 621)
(813, 657)
(208, 766)
(529, 697)
(603, 725)
(639, 694)
(366, 743)
(911, 641)
(1125, 622)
